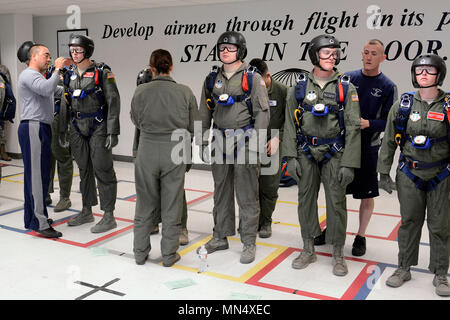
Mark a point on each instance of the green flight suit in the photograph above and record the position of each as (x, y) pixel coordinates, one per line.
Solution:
(414, 202)
(158, 220)
(238, 173)
(158, 109)
(235, 173)
(269, 183)
(311, 174)
(94, 160)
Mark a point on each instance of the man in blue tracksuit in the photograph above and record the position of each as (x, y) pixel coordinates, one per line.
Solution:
(35, 133)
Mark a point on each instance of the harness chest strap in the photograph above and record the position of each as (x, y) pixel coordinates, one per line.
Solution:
(225, 100)
(98, 90)
(406, 102)
(337, 143)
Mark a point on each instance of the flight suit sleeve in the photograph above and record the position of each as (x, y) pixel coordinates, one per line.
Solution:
(283, 106)
(260, 103)
(134, 120)
(205, 116)
(289, 143)
(64, 111)
(193, 112)
(388, 145)
(112, 99)
(351, 157)
(133, 109)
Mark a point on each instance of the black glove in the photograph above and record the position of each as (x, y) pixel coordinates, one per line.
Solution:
(62, 140)
(386, 183)
(111, 141)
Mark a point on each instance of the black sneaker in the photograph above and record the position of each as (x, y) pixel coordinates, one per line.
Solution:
(140, 262)
(359, 246)
(320, 240)
(48, 200)
(50, 233)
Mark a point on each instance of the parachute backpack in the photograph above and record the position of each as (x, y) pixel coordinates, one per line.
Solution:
(226, 100)
(285, 179)
(8, 109)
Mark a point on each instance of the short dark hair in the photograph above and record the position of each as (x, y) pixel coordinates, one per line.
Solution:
(161, 60)
(260, 65)
(34, 49)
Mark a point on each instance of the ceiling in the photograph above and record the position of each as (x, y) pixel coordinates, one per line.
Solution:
(59, 7)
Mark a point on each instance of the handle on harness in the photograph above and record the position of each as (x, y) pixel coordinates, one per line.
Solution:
(209, 104)
(341, 92)
(297, 119)
(398, 139)
(245, 82)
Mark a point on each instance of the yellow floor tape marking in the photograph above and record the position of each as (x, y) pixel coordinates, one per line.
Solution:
(250, 273)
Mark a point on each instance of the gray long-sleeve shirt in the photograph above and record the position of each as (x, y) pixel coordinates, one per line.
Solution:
(37, 95)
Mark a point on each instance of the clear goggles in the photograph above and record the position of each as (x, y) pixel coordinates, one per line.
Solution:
(229, 47)
(76, 50)
(428, 69)
(327, 53)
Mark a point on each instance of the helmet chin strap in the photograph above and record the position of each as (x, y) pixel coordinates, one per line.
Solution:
(430, 86)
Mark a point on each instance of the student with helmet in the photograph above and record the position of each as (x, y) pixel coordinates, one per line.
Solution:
(322, 141)
(91, 107)
(419, 125)
(376, 94)
(158, 109)
(234, 98)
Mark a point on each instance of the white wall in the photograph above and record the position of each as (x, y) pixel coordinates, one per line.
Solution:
(15, 29)
(128, 55)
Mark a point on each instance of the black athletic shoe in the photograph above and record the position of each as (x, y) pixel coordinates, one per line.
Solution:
(359, 246)
(50, 233)
(140, 262)
(320, 240)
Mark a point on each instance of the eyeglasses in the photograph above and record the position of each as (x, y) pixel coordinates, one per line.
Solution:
(429, 69)
(230, 48)
(76, 50)
(325, 54)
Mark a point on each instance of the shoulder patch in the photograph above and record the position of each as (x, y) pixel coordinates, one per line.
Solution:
(2, 85)
(110, 77)
(355, 97)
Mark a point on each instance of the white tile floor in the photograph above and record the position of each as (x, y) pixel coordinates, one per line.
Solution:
(32, 267)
